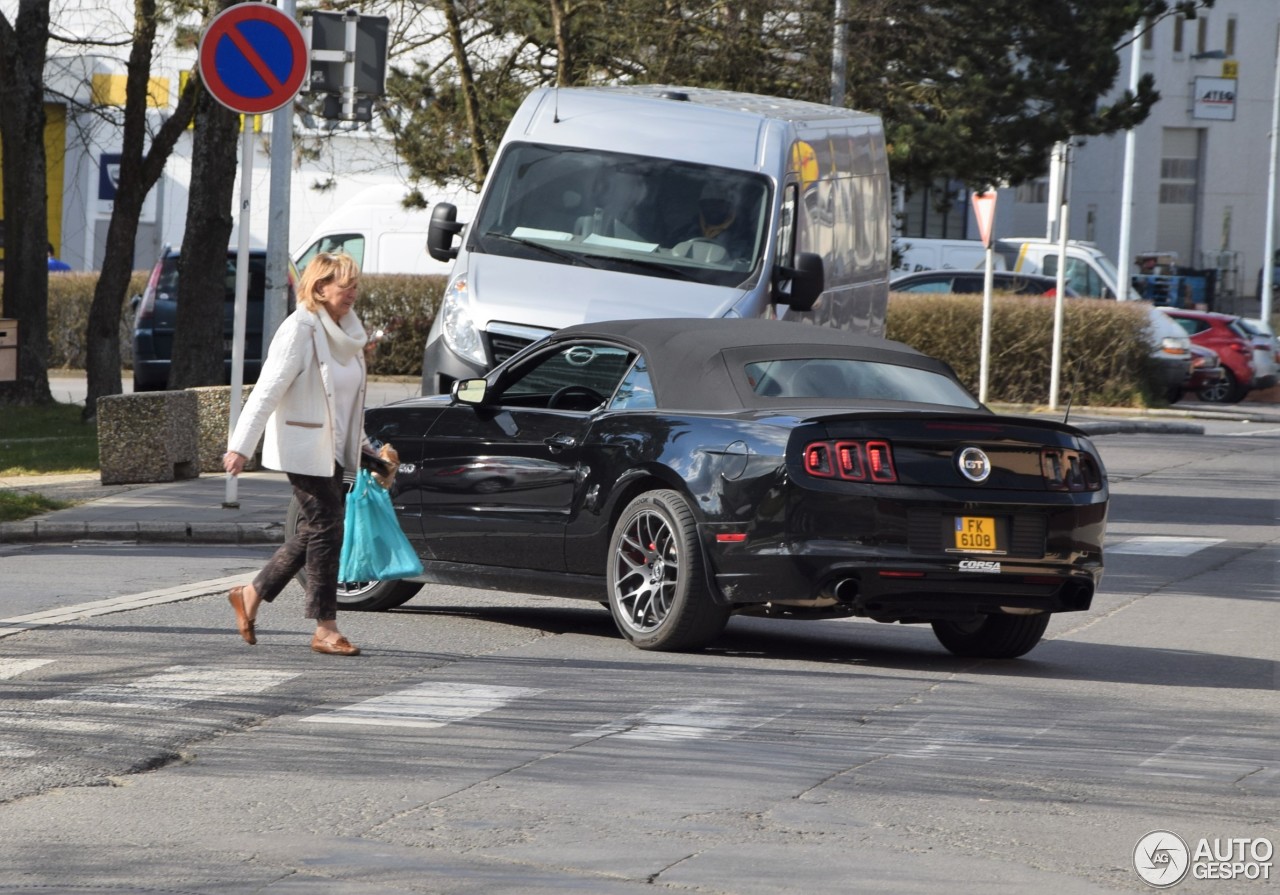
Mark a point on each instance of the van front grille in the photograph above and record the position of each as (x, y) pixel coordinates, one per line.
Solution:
(502, 346)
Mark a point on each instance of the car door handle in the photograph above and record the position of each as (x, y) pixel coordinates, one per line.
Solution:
(560, 442)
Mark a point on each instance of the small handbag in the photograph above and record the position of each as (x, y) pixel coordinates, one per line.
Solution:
(374, 548)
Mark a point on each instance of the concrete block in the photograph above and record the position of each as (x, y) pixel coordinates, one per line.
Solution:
(213, 410)
(148, 437)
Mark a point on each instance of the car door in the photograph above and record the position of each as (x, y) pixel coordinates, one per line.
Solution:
(500, 480)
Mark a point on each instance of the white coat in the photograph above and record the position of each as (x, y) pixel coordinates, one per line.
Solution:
(293, 402)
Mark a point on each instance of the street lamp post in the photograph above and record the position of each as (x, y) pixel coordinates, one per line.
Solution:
(1269, 240)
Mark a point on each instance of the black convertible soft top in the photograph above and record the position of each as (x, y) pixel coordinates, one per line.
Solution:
(695, 362)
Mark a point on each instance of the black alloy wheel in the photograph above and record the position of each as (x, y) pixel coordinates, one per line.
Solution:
(658, 592)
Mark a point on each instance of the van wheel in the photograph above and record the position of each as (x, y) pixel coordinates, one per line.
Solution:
(992, 636)
(658, 590)
(366, 596)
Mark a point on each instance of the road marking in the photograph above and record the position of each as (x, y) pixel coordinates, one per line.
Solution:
(1272, 431)
(19, 623)
(14, 667)
(176, 686)
(697, 720)
(1163, 545)
(432, 704)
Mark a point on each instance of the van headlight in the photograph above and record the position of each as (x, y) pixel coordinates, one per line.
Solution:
(459, 331)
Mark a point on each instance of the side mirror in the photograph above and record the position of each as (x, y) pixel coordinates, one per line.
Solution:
(470, 391)
(444, 226)
(808, 278)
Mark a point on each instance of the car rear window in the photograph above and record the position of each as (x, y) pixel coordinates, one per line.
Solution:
(848, 379)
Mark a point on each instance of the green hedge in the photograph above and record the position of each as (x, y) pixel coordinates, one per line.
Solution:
(404, 304)
(1106, 357)
(70, 295)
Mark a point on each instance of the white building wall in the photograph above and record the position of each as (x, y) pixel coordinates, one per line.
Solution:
(1230, 215)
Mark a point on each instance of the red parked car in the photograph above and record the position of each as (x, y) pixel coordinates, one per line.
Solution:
(1234, 344)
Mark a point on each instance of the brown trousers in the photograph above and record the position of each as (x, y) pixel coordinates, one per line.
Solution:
(315, 546)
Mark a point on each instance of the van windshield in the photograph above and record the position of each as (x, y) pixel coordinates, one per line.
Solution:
(629, 213)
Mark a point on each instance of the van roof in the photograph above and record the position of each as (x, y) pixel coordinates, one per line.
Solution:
(780, 108)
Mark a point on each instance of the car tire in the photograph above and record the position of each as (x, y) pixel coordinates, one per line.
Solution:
(992, 636)
(657, 584)
(1226, 391)
(362, 596)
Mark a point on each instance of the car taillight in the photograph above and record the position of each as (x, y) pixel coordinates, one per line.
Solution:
(1068, 470)
(853, 461)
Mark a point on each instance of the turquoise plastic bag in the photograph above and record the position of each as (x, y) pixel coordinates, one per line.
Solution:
(374, 548)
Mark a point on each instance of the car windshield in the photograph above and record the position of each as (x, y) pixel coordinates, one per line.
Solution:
(622, 212)
(847, 379)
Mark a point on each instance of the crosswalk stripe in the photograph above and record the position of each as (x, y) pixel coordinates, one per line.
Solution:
(14, 667)
(1163, 545)
(432, 704)
(705, 718)
(178, 685)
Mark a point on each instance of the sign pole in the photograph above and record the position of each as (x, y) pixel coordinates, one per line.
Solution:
(253, 59)
(984, 209)
(1060, 291)
(230, 501)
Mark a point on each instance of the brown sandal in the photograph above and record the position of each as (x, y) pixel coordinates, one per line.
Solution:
(340, 646)
(243, 622)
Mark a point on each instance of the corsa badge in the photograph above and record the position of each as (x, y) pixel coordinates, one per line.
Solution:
(979, 565)
(973, 464)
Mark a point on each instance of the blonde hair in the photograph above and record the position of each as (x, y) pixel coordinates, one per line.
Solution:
(323, 269)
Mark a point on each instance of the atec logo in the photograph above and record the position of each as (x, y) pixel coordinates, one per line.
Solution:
(1161, 859)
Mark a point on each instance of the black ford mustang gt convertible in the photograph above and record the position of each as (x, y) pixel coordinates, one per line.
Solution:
(686, 470)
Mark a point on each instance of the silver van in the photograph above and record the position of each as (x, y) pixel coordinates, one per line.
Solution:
(624, 202)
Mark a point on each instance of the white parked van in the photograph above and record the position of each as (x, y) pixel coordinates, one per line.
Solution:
(648, 201)
(940, 254)
(1089, 272)
(381, 234)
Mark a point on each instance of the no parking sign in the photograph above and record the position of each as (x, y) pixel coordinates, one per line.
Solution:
(253, 58)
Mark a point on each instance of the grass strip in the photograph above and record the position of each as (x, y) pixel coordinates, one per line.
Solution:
(46, 439)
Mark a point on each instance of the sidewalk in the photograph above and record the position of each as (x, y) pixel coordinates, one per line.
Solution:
(184, 512)
(192, 511)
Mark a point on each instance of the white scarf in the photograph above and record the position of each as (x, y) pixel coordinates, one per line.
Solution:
(346, 339)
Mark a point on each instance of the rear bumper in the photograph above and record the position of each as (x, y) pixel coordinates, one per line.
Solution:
(908, 574)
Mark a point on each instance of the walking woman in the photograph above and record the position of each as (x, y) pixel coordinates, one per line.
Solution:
(309, 400)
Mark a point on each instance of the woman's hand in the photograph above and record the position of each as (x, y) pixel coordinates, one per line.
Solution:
(233, 462)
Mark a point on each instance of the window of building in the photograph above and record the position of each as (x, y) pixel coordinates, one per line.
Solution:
(1231, 38)
(1149, 35)
(1202, 34)
(1178, 22)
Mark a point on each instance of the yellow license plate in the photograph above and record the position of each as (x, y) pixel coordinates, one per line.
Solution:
(976, 533)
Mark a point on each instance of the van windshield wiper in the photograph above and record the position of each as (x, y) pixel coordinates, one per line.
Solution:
(669, 270)
(568, 257)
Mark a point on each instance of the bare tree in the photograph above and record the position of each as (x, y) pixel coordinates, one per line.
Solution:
(140, 168)
(202, 263)
(23, 44)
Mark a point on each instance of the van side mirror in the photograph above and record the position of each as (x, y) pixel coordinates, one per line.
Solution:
(808, 278)
(444, 226)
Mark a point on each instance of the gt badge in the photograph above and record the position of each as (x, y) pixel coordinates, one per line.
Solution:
(973, 464)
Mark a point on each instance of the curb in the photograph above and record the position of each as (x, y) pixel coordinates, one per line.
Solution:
(30, 531)
(1125, 427)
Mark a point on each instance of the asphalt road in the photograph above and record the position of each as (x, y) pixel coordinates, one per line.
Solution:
(496, 743)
